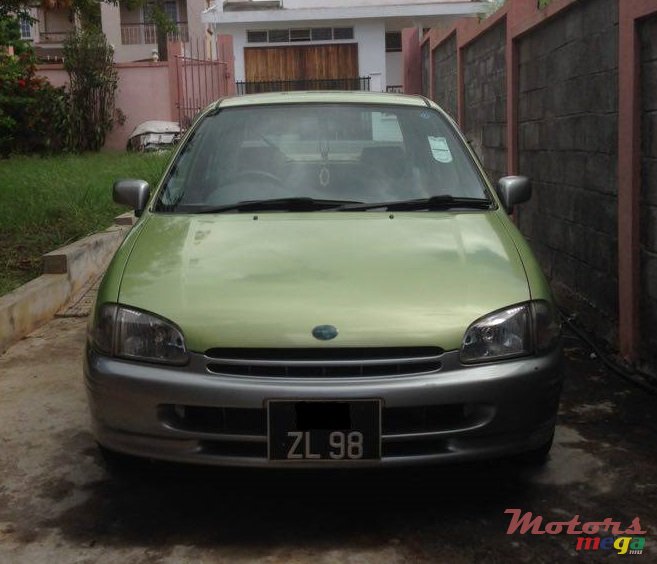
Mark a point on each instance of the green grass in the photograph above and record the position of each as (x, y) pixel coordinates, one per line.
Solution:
(48, 202)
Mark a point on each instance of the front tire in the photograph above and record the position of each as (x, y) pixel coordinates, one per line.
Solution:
(119, 465)
(537, 456)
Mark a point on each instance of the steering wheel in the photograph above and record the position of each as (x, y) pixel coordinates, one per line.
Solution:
(255, 174)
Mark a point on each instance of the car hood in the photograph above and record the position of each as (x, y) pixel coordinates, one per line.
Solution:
(238, 280)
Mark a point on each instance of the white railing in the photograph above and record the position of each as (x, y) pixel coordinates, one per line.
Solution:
(146, 34)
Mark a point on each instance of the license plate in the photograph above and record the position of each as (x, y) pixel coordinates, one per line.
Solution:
(312, 431)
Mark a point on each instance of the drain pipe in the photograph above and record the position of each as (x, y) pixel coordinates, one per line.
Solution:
(641, 379)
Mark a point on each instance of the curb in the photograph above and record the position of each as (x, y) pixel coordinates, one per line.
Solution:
(66, 271)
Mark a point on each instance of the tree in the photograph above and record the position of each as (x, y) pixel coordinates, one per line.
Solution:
(12, 8)
(33, 113)
(163, 25)
(93, 80)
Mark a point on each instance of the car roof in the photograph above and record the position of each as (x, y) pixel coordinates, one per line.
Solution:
(333, 97)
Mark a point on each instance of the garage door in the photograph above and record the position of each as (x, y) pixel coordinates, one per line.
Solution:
(309, 64)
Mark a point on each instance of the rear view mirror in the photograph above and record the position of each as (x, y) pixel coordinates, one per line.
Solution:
(514, 190)
(133, 193)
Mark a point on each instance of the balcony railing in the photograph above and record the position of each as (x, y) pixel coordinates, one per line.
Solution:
(54, 36)
(362, 83)
(146, 33)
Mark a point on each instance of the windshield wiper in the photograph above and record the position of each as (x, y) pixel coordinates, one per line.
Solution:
(433, 203)
(298, 204)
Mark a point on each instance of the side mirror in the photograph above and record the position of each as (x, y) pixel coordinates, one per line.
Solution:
(514, 190)
(133, 193)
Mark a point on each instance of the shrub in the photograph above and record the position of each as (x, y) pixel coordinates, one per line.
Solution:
(88, 59)
(33, 113)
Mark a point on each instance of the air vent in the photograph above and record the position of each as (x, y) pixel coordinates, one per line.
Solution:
(340, 33)
(322, 34)
(299, 35)
(256, 36)
(279, 35)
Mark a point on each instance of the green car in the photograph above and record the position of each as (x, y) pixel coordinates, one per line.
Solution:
(324, 279)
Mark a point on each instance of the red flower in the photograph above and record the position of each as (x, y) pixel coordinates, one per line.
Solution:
(21, 83)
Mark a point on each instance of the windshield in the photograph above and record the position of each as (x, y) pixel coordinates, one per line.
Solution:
(342, 153)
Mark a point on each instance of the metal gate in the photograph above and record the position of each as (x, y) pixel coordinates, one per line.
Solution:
(202, 77)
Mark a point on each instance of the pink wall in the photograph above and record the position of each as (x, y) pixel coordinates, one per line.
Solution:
(412, 72)
(143, 94)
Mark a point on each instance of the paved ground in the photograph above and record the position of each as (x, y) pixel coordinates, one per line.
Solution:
(57, 503)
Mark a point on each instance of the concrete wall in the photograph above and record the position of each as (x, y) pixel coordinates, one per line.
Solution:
(444, 76)
(485, 99)
(197, 29)
(111, 21)
(568, 141)
(394, 70)
(411, 67)
(648, 34)
(143, 94)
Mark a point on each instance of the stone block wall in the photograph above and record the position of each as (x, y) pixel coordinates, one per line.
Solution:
(444, 87)
(568, 143)
(485, 98)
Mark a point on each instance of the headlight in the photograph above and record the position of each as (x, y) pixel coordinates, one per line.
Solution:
(516, 331)
(137, 335)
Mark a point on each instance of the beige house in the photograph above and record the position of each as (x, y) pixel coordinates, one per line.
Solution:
(130, 32)
(49, 31)
(133, 35)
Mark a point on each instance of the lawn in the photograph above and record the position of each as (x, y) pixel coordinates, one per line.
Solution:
(48, 202)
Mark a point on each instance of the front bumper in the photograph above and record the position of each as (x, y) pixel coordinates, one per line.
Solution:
(459, 413)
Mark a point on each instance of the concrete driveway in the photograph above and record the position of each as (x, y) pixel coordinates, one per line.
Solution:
(58, 504)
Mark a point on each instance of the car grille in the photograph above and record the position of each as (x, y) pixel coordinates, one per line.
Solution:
(324, 363)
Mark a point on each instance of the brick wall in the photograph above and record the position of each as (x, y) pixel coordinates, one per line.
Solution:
(568, 140)
(444, 88)
(485, 98)
(648, 34)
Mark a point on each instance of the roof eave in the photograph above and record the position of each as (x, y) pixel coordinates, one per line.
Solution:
(418, 11)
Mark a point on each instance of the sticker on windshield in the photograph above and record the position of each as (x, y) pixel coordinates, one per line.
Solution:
(440, 149)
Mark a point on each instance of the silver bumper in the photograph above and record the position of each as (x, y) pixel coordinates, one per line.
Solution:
(489, 410)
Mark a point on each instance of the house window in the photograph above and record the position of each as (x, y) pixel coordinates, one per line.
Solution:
(279, 35)
(322, 34)
(256, 36)
(170, 9)
(393, 42)
(343, 33)
(301, 34)
(26, 28)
